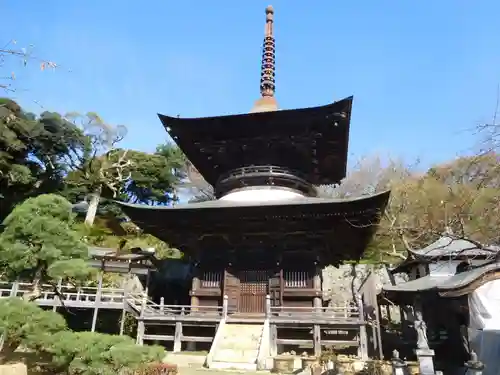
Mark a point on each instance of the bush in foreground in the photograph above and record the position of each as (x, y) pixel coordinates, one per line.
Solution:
(88, 353)
(23, 323)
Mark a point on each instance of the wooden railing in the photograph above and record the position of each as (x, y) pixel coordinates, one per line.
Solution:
(148, 309)
(297, 279)
(68, 294)
(145, 308)
(211, 279)
(345, 311)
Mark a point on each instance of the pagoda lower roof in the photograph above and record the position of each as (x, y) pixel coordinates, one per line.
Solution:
(313, 141)
(343, 227)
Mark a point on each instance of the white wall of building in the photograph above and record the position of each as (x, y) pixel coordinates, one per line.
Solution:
(261, 195)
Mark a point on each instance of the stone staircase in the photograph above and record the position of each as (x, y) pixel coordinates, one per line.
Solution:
(237, 347)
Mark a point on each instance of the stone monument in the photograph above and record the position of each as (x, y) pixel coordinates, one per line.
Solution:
(474, 366)
(398, 365)
(424, 353)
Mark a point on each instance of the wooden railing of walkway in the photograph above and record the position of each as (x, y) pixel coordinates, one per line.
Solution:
(346, 317)
(147, 312)
(83, 297)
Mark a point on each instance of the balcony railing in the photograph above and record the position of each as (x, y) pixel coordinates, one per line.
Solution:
(263, 175)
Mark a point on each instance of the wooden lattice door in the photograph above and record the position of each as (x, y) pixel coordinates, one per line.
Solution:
(254, 286)
(276, 289)
(232, 291)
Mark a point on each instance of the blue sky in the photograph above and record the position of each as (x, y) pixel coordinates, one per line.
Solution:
(423, 73)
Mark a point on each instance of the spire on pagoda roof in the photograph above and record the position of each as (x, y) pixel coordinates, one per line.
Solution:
(267, 102)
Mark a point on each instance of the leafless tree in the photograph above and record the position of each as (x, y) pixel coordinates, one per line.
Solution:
(199, 188)
(103, 165)
(11, 52)
(489, 132)
(423, 205)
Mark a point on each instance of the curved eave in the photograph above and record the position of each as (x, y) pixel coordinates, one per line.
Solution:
(343, 105)
(406, 264)
(341, 205)
(447, 286)
(445, 248)
(341, 223)
(200, 139)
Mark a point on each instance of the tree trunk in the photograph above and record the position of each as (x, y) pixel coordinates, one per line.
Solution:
(7, 350)
(36, 290)
(93, 204)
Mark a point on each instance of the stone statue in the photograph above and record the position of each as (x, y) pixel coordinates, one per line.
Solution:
(421, 328)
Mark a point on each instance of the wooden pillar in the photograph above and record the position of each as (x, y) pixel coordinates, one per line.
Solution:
(122, 321)
(178, 337)
(363, 337)
(317, 340)
(14, 289)
(318, 300)
(162, 306)
(225, 306)
(141, 329)
(195, 286)
(273, 347)
(191, 345)
(97, 301)
(124, 311)
(140, 332)
(78, 293)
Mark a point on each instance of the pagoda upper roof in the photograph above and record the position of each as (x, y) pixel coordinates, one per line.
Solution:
(312, 141)
(342, 228)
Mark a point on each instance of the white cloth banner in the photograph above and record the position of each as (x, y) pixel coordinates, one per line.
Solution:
(486, 344)
(484, 307)
(484, 325)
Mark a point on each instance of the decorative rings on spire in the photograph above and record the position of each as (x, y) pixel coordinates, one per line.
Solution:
(267, 75)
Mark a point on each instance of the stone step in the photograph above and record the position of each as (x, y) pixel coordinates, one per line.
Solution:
(243, 330)
(233, 366)
(241, 337)
(236, 356)
(238, 347)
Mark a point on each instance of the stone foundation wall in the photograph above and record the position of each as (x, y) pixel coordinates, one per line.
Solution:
(337, 282)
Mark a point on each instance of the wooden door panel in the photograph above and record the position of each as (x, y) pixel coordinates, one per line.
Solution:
(276, 289)
(253, 290)
(232, 291)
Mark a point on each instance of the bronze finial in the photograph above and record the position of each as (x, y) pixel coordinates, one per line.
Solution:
(267, 102)
(267, 83)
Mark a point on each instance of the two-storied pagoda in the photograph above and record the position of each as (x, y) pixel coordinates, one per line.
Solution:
(267, 233)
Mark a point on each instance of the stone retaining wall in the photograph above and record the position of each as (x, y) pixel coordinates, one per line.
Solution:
(337, 281)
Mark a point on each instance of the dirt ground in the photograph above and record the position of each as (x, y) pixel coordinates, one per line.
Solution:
(202, 371)
(193, 365)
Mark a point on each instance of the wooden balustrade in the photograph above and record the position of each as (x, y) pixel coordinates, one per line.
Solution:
(71, 296)
(211, 279)
(297, 279)
(149, 310)
(141, 306)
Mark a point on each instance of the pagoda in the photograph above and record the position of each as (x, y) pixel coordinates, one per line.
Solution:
(268, 232)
